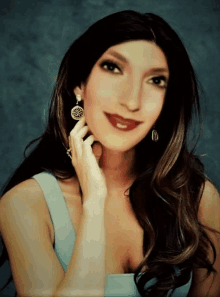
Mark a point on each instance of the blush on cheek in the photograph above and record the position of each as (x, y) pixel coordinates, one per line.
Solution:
(151, 106)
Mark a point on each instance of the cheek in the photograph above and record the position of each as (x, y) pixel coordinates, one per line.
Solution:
(151, 106)
(103, 90)
(154, 103)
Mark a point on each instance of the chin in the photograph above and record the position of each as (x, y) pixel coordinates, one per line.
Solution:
(117, 144)
(117, 141)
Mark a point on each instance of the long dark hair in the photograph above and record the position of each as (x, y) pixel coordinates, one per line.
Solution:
(166, 195)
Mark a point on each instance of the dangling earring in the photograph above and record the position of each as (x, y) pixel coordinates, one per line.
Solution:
(154, 135)
(77, 111)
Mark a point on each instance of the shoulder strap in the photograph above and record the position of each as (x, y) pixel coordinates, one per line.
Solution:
(64, 232)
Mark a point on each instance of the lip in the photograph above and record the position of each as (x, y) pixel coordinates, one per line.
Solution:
(121, 123)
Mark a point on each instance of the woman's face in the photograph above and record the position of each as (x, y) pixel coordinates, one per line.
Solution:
(129, 80)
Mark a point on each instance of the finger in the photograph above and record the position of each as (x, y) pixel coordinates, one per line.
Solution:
(82, 133)
(78, 126)
(73, 133)
(88, 151)
(97, 150)
(77, 141)
(89, 141)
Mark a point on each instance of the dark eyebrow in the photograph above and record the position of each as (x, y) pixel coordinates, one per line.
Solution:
(154, 70)
(117, 55)
(158, 70)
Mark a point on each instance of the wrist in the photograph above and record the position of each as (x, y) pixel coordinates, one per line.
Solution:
(93, 205)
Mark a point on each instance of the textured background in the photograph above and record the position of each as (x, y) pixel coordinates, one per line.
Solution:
(36, 34)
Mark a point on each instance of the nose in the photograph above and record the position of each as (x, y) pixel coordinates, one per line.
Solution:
(130, 98)
(130, 106)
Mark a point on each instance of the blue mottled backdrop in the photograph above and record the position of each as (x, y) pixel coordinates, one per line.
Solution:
(36, 34)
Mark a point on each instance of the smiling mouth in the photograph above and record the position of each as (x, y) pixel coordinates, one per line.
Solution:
(120, 123)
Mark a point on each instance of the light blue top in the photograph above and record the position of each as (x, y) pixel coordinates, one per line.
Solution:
(117, 285)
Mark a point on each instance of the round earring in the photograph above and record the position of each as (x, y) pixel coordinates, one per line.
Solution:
(77, 111)
(154, 135)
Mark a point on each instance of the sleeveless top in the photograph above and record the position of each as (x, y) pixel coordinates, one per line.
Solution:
(117, 285)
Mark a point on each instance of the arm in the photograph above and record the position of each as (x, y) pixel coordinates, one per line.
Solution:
(86, 271)
(209, 215)
(35, 267)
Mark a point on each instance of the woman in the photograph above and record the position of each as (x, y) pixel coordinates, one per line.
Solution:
(137, 89)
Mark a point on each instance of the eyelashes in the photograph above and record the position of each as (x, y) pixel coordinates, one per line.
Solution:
(110, 64)
(160, 81)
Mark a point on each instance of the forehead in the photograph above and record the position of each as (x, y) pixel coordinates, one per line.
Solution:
(139, 52)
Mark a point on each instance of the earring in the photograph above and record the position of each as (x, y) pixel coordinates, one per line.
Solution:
(77, 111)
(154, 135)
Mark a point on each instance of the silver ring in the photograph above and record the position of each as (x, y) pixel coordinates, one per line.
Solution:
(68, 153)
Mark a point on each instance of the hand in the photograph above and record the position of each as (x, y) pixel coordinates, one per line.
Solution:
(85, 160)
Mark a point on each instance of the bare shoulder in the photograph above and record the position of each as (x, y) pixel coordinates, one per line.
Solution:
(26, 189)
(27, 192)
(24, 217)
(23, 198)
(209, 209)
(30, 192)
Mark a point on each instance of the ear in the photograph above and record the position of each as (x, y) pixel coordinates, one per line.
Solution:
(79, 90)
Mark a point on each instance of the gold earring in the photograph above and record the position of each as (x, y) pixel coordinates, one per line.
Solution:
(154, 135)
(77, 111)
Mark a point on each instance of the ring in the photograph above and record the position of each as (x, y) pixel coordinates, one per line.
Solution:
(68, 153)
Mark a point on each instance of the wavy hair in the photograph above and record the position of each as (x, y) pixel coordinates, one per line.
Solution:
(166, 194)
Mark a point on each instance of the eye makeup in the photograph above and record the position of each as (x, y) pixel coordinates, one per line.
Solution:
(162, 79)
(110, 63)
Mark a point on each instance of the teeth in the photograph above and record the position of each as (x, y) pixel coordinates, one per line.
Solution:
(121, 126)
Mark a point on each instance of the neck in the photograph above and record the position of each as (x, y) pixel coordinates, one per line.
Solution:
(117, 166)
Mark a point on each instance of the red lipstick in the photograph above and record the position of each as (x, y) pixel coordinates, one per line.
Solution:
(121, 123)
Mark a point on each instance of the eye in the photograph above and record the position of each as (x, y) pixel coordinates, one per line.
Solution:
(160, 81)
(110, 66)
